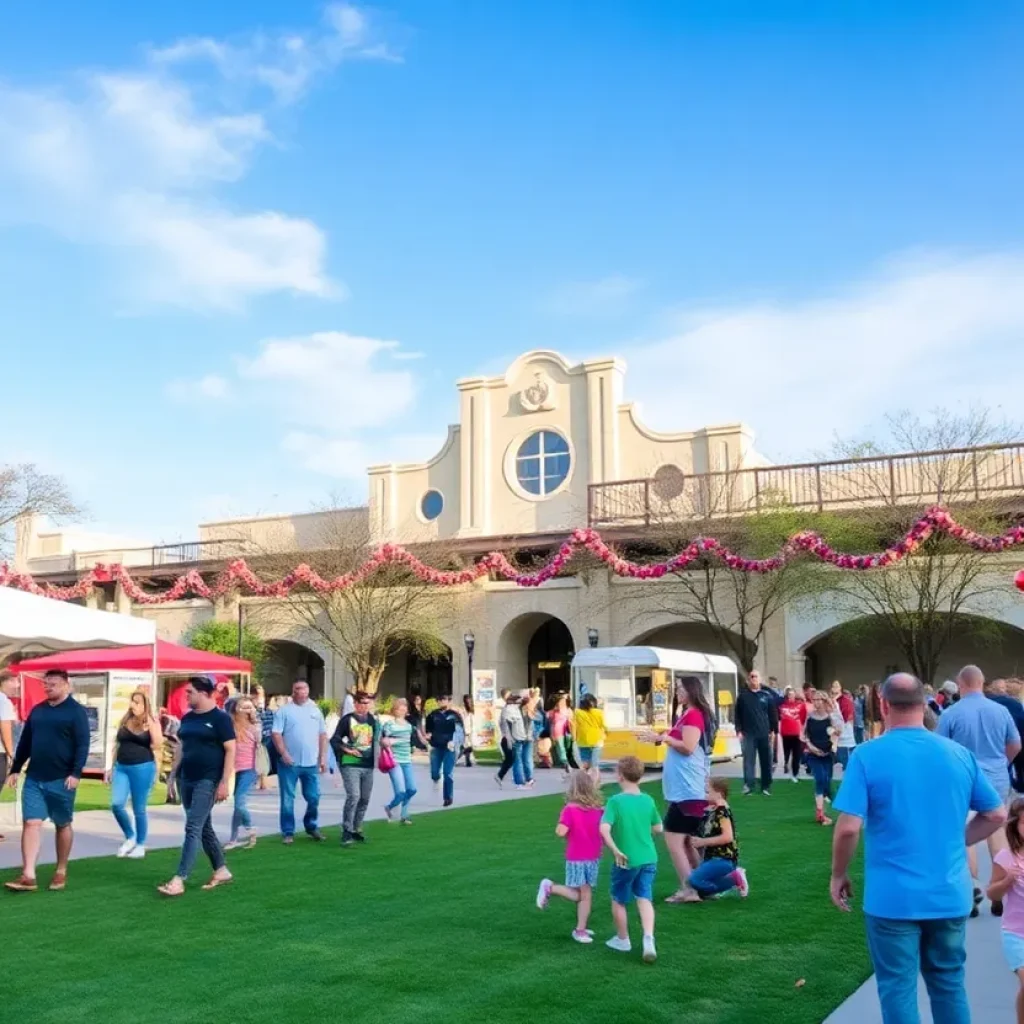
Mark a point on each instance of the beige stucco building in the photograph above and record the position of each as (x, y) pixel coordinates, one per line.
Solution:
(539, 450)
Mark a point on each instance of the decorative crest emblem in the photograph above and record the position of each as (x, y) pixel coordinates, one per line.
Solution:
(538, 397)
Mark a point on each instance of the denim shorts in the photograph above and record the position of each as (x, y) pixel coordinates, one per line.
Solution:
(591, 755)
(42, 800)
(1013, 950)
(630, 884)
(581, 872)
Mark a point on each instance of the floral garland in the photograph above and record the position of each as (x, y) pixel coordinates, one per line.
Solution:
(238, 575)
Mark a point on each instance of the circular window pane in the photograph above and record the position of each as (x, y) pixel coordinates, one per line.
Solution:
(669, 482)
(432, 505)
(542, 462)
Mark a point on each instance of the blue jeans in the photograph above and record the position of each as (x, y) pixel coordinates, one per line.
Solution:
(443, 759)
(198, 799)
(404, 784)
(821, 770)
(309, 778)
(714, 876)
(524, 762)
(135, 781)
(240, 817)
(44, 799)
(935, 949)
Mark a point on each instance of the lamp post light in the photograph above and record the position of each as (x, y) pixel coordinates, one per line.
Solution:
(470, 641)
(592, 636)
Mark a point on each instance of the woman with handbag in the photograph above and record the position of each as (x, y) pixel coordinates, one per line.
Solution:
(395, 760)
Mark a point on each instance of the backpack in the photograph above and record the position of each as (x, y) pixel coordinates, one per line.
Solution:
(709, 734)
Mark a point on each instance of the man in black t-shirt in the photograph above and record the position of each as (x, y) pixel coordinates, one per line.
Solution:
(205, 760)
(441, 726)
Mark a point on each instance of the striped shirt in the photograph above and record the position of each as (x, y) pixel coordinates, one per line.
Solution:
(245, 749)
(400, 734)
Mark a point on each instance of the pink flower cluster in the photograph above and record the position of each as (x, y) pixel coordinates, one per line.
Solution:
(238, 575)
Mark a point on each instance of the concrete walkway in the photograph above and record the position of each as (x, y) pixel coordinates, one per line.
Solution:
(97, 834)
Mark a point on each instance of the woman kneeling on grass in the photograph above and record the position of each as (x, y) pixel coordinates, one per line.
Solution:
(1007, 884)
(580, 825)
(819, 740)
(720, 871)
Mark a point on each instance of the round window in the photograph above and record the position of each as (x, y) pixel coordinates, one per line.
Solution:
(431, 505)
(542, 463)
(669, 482)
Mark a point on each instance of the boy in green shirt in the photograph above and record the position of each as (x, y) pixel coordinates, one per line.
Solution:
(630, 823)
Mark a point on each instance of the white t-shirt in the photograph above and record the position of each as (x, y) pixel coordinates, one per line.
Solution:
(7, 710)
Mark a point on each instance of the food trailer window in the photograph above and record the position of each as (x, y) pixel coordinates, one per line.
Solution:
(644, 710)
(725, 697)
(613, 687)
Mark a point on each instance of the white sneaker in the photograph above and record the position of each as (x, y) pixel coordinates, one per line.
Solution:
(742, 885)
(793, 778)
(500, 781)
(126, 847)
(650, 953)
(543, 893)
(619, 945)
(585, 937)
(137, 853)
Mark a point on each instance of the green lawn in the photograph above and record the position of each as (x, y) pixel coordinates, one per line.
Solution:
(94, 795)
(432, 923)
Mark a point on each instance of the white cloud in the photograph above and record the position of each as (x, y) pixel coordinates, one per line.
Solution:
(209, 388)
(349, 458)
(606, 296)
(928, 330)
(138, 161)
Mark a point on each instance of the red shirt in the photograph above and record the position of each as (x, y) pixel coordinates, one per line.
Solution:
(846, 707)
(792, 715)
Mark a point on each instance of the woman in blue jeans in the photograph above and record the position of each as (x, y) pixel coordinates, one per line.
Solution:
(397, 736)
(819, 738)
(139, 737)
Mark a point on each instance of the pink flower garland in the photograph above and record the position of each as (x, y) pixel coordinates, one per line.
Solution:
(238, 575)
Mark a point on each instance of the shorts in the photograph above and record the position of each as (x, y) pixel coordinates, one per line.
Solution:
(590, 755)
(680, 823)
(581, 872)
(1013, 950)
(42, 800)
(630, 884)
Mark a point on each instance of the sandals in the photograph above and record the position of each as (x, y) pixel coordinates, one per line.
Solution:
(22, 884)
(58, 882)
(214, 882)
(171, 890)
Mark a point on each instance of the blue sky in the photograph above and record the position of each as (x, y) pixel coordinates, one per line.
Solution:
(246, 250)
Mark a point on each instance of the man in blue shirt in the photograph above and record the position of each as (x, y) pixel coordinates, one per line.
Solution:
(911, 791)
(986, 729)
(300, 738)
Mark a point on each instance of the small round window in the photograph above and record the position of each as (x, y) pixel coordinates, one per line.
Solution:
(542, 463)
(431, 505)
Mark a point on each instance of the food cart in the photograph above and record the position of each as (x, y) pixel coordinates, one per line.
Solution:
(636, 688)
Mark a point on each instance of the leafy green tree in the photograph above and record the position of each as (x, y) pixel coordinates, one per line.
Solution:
(222, 638)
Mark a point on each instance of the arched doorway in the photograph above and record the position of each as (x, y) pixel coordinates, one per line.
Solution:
(287, 663)
(535, 650)
(409, 673)
(864, 650)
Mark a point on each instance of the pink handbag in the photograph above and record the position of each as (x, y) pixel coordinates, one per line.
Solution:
(386, 760)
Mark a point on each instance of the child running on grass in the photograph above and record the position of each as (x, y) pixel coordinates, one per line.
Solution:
(631, 820)
(1007, 884)
(720, 871)
(580, 825)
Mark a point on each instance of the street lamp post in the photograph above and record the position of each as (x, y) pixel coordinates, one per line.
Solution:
(470, 642)
(593, 636)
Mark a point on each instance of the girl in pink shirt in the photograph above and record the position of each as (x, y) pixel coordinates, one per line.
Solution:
(247, 737)
(1007, 886)
(580, 825)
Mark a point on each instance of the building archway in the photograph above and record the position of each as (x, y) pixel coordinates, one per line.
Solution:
(408, 673)
(535, 649)
(863, 650)
(288, 662)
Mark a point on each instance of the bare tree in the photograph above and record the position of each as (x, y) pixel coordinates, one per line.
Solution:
(370, 621)
(945, 587)
(24, 491)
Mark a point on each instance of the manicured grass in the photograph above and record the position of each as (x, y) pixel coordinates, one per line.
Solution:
(93, 795)
(435, 922)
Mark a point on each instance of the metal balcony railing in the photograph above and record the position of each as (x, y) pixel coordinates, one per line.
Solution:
(914, 478)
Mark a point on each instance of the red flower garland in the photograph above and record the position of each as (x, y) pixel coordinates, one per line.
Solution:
(238, 575)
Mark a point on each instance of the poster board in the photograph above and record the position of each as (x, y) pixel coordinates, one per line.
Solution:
(486, 711)
(121, 686)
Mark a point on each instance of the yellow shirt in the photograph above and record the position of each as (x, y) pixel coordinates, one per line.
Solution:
(589, 728)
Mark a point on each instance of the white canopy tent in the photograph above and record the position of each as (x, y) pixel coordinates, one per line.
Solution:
(36, 624)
